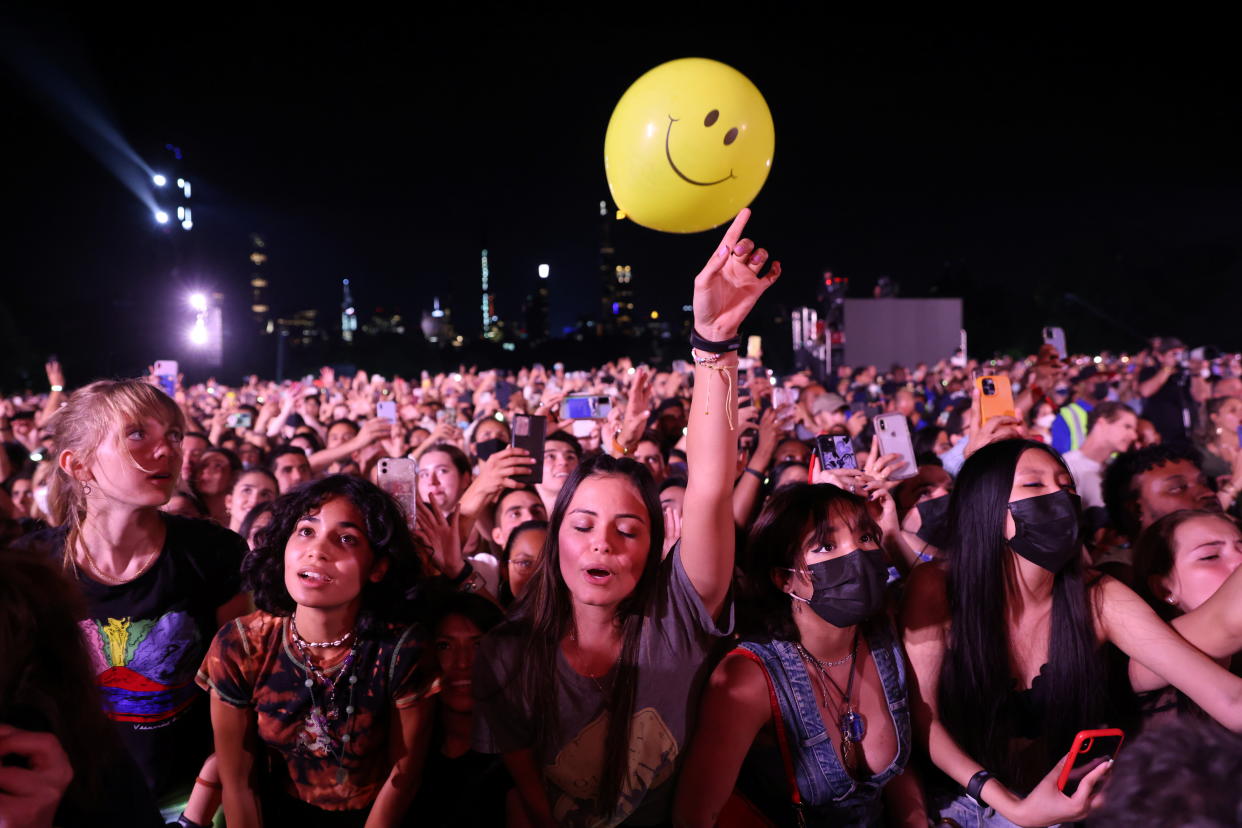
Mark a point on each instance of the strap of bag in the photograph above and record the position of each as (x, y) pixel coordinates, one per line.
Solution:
(782, 738)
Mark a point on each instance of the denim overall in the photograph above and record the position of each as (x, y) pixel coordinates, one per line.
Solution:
(830, 796)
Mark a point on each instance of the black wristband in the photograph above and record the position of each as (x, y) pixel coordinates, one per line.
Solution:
(466, 572)
(701, 344)
(758, 474)
(975, 787)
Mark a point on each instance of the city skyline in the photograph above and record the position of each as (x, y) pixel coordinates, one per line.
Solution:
(1048, 176)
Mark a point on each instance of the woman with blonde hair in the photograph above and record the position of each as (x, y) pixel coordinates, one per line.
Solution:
(157, 586)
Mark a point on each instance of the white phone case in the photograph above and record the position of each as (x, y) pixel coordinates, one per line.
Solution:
(892, 433)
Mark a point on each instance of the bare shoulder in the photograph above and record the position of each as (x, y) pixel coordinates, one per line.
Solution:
(743, 682)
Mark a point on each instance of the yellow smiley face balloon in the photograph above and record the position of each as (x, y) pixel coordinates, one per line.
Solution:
(688, 146)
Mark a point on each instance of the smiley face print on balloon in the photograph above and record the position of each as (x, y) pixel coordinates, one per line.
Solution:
(688, 146)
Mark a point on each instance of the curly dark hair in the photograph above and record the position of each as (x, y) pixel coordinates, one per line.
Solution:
(1118, 488)
(1181, 773)
(263, 570)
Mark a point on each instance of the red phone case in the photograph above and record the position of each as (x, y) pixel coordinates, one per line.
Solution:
(1082, 743)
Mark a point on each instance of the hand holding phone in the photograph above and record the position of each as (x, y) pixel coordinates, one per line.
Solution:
(529, 431)
(835, 453)
(399, 477)
(165, 371)
(892, 434)
(995, 397)
(1091, 749)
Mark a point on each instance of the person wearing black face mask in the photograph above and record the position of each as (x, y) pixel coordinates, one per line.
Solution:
(1004, 638)
(815, 631)
(923, 507)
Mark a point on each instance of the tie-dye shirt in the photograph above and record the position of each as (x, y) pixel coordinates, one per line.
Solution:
(252, 664)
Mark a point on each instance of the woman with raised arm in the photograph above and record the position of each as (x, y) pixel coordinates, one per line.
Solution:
(1005, 637)
(588, 692)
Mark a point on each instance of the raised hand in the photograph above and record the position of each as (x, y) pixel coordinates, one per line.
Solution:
(729, 284)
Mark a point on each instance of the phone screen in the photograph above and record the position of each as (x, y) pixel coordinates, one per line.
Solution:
(835, 452)
(1090, 752)
(386, 410)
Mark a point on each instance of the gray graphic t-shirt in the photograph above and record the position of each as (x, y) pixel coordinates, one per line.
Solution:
(676, 640)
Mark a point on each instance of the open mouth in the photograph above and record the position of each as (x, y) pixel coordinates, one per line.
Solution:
(597, 575)
(314, 577)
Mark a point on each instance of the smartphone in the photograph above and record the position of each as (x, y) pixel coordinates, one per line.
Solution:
(835, 452)
(386, 410)
(782, 397)
(528, 433)
(399, 477)
(892, 431)
(1091, 749)
(958, 360)
(166, 372)
(681, 366)
(995, 397)
(585, 407)
(1056, 338)
(443, 415)
(754, 347)
(240, 419)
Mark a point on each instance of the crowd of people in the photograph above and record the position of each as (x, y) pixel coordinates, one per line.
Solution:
(220, 604)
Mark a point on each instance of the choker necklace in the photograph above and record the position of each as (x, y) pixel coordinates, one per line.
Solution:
(298, 639)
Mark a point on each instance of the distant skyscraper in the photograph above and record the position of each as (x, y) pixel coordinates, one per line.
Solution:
(607, 272)
(260, 304)
(491, 320)
(437, 326)
(349, 314)
(535, 308)
(623, 301)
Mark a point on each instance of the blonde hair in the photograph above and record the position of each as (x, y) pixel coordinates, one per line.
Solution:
(82, 424)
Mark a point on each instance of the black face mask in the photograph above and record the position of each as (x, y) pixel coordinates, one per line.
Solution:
(934, 514)
(487, 448)
(848, 590)
(1048, 529)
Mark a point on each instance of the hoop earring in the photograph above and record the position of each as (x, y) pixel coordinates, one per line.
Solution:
(86, 488)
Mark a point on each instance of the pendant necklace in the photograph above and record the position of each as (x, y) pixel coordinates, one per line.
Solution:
(318, 715)
(573, 636)
(852, 725)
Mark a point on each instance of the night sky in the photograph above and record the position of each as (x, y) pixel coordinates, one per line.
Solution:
(1011, 166)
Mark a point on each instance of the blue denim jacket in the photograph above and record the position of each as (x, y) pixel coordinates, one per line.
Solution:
(830, 796)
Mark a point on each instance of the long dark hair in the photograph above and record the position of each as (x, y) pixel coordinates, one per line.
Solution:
(263, 570)
(976, 680)
(776, 542)
(544, 615)
(46, 679)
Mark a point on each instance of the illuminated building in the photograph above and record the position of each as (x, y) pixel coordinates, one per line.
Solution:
(260, 306)
(491, 320)
(437, 326)
(349, 314)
